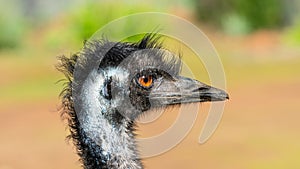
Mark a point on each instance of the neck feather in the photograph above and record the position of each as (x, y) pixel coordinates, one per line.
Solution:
(109, 148)
(104, 138)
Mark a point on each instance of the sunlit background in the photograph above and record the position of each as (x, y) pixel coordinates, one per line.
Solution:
(258, 42)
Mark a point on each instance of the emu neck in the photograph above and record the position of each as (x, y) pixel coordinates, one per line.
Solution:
(109, 146)
(107, 137)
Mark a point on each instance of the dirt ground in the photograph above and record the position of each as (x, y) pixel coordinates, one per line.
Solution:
(260, 127)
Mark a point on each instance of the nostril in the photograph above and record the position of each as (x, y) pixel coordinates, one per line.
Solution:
(200, 89)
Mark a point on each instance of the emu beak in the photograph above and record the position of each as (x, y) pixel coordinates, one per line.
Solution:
(184, 90)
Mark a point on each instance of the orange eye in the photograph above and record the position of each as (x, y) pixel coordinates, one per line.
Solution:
(146, 81)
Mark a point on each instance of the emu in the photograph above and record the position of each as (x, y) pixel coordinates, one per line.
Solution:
(109, 85)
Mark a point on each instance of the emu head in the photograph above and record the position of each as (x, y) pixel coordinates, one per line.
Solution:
(123, 80)
(110, 84)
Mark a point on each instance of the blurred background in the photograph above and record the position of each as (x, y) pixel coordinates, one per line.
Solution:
(258, 42)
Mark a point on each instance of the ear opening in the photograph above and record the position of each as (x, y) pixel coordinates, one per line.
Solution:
(106, 90)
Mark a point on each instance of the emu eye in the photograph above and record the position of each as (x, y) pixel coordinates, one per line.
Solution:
(146, 81)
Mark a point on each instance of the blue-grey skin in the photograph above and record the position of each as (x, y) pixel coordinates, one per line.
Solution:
(103, 97)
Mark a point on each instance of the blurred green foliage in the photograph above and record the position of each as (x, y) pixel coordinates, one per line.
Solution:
(293, 34)
(59, 24)
(241, 16)
(85, 18)
(12, 25)
(91, 16)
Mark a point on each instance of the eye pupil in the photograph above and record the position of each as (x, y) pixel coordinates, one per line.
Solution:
(145, 81)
